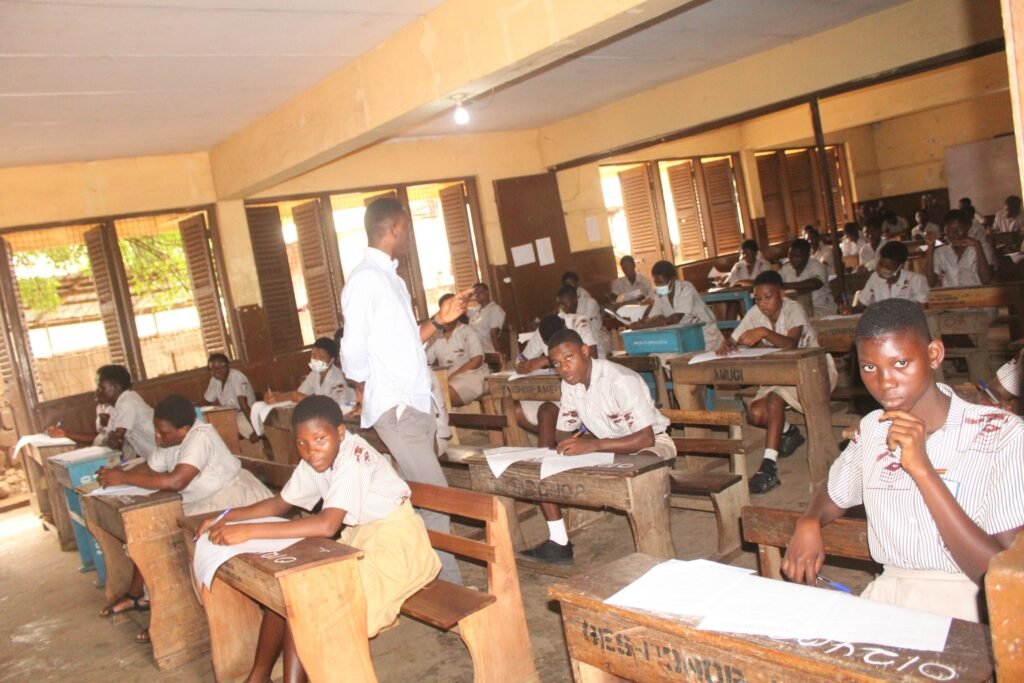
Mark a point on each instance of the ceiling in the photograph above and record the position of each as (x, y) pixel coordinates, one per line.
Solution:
(95, 79)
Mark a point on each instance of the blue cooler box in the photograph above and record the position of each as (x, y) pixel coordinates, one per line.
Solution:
(77, 468)
(673, 339)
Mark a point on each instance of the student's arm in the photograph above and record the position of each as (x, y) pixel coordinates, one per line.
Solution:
(472, 364)
(495, 338)
(808, 285)
(758, 335)
(806, 551)
(324, 524)
(115, 438)
(625, 444)
(269, 507)
(78, 437)
(984, 269)
(451, 309)
(527, 366)
(175, 480)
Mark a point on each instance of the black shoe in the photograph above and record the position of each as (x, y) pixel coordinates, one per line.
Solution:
(549, 552)
(766, 478)
(790, 441)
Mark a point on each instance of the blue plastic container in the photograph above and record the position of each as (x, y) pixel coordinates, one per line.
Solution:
(673, 339)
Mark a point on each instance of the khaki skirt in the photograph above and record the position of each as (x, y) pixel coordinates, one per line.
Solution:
(952, 595)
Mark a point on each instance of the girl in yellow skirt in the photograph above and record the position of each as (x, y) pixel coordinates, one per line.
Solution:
(360, 492)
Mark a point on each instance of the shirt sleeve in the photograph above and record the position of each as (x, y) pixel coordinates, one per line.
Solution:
(535, 347)
(245, 389)
(432, 352)
(197, 451)
(300, 490)
(358, 300)
(846, 476)
(582, 328)
(1006, 499)
(334, 386)
(160, 460)
(635, 402)
(499, 318)
(746, 324)
(734, 274)
(350, 482)
(474, 347)
(211, 391)
(308, 386)
(568, 415)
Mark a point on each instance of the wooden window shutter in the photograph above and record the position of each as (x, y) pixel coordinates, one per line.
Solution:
(641, 217)
(195, 239)
(320, 294)
(460, 237)
(8, 365)
(839, 182)
(768, 173)
(682, 185)
(722, 208)
(103, 279)
(803, 188)
(275, 277)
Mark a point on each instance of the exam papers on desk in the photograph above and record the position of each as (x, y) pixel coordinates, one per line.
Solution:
(87, 453)
(122, 490)
(551, 461)
(733, 600)
(209, 556)
(39, 440)
(738, 353)
(540, 372)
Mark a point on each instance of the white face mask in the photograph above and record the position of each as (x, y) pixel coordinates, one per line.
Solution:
(662, 290)
(318, 365)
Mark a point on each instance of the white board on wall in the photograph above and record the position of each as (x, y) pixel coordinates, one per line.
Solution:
(985, 171)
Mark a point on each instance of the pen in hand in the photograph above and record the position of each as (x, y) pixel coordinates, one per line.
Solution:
(988, 392)
(220, 517)
(834, 584)
(581, 432)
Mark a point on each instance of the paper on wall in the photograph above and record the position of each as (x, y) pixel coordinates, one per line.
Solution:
(593, 229)
(523, 255)
(545, 252)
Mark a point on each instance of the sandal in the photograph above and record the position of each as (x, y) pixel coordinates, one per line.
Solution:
(135, 604)
(142, 637)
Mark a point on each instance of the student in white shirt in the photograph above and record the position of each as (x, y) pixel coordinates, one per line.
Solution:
(488, 320)
(869, 250)
(86, 438)
(190, 458)
(804, 274)
(961, 263)
(458, 349)
(1009, 218)
(631, 286)
(941, 480)
(573, 280)
(230, 388)
(569, 303)
(891, 281)
(383, 353)
(976, 230)
(781, 323)
(924, 225)
(820, 252)
(678, 303)
(361, 496)
(605, 407)
(894, 226)
(852, 242)
(324, 379)
(539, 417)
(130, 427)
(748, 267)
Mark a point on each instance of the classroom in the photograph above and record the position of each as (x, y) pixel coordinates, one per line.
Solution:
(585, 340)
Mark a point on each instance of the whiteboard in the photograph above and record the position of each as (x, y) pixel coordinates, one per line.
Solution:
(985, 171)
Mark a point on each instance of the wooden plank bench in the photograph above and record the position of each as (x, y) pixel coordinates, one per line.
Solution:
(316, 582)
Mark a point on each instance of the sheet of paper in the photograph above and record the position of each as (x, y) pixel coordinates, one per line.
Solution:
(766, 607)
(593, 229)
(556, 464)
(867, 621)
(715, 273)
(260, 411)
(679, 588)
(545, 252)
(1018, 257)
(500, 459)
(739, 353)
(39, 440)
(539, 372)
(210, 557)
(632, 312)
(523, 255)
(615, 314)
(632, 295)
(122, 490)
(87, 453)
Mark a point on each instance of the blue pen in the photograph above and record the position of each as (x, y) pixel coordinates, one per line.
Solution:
(222, 516)
(581, 432)
(988, 392)
(834, 584)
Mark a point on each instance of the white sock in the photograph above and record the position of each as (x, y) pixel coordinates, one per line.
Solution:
(769, 454)
(785, 426)
(557, 532)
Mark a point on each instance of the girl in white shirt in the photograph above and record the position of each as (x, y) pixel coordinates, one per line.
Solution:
(325, 378)
(962, 262)
(230, 388)
(458, 349)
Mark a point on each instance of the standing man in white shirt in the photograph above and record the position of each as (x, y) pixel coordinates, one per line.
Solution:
(383, 353)
(488, 320)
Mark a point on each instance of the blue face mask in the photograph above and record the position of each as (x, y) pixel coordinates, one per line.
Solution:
(662, 290)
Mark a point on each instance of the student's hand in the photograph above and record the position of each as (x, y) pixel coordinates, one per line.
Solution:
(907, 432)
(110, 476)
(224, 534)
(254, 437)
(579, 446)
(55, 432)
(114, 440)
(752, 337)
(452, 308)
(805, 554)
(844, 309)
(268, 396)
(728, 346)
(209, 524)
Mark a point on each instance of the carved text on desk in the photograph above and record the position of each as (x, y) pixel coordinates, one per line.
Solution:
(535, 488)
(526, 391)
(729, 375)
(880, 656)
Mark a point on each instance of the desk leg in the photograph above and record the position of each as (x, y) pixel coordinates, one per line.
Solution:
(177, 625)
(119, 567)
(514, 433)
(813, 391)
(234, 620)
(650, 516)
(59, 508)
(488, 407)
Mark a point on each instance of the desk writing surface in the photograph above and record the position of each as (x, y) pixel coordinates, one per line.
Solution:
(775, 368)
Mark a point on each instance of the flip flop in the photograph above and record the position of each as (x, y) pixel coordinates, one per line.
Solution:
(142, 637)
(136, 605)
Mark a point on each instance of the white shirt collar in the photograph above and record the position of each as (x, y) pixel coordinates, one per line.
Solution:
(380, 258)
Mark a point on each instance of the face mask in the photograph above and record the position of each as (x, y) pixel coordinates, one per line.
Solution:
(318, 365)
(662, 290)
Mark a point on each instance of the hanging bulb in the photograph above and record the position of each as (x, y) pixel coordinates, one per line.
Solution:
(461, 115)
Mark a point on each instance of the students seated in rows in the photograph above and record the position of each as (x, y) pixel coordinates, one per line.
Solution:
(192, 459)
(230, 388)
(573, 280)
(1009, 218)
(325, 378)
(86, 438)
(605, 407)
(569, 304)
(488, 319)
(632, 286)
(804, 274)
(894, 226)
(874, 241)
(819, 251)
(962, 262)
(891, 281)
(782, 323)
(852, 242)
(924, 225)
(678, 303)
(360, 495)
(749, 266)
(458, 349)
(941, 480)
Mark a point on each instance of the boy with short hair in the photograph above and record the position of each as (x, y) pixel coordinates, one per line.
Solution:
(604, 407)
(488, 319)
(572, 279)
(941, 480)
(458, 348)
(569, 303)
(632, 286)
(362, 496)
(782, 323)
(875, 241)
(749, 266)
(805, 274)
(891, 281)
(678, 303)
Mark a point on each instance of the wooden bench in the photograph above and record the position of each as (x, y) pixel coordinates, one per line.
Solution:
(704, 485)
(316, 582)
(650, 365)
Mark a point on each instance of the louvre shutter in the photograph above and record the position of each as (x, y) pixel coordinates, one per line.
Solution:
(839, 182)
(103, 280)
(641, 217)
(7, 355)
(460, 237)
(803, 188)
(768, 172)
(275, 277)
(196, 241)
(722, 208)
(320, 294)
(682, 185)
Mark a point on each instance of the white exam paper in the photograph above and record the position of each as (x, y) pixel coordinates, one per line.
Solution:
(122, 490)
(500, 459)
(260, 411)
(523, 255)
(209, 557)
(539, 372)
(556, 464)
(679, 588)
(545, 252)
(39, 440)
(632, 312)
(739, 353)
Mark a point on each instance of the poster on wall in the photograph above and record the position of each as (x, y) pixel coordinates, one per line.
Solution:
(985, 171)
(522, 255)
(545, 252)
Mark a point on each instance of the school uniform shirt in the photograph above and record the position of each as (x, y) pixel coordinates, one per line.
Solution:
(535, 348)
(683, 298)
(617, 404)
(591, 310)
(909, 285)
(582, 293)
(869, 255)
(360, 481)
(742, 270)
(382, 344)
(977, 232)
(897, 229)
(791, 315)
(624, 290)
(1005, 223)
(486, 319)
(919, 231)
(825, 255)
(455, 351)
(956, 271)
(203, 449)
(821, 298)
(333, 385)
(133, 414)
(978, 452)
(851, 248)
(226, 393)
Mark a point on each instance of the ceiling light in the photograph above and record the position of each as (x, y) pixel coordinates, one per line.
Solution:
(461, 115)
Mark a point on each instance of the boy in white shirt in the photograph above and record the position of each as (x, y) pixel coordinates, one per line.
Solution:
(1009, 218)
(852, 241)
(961, 263)
(924, 225)
(364, 498)
(820, 252)
(976, 230)
(489, 318)
(569, 303)
(678, 303)
(631, 286)
(891, 281)
(605, 407)
(230, 388)
(869, 250)
(748, 267)
(458, 349)
(573, 280)
(941, 480)
(805, 274)
(894, 226)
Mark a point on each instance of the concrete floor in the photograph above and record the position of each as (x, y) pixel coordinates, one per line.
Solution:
(48, 610)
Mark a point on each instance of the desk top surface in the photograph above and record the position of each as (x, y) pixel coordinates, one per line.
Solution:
(127, 503)
(624, 466)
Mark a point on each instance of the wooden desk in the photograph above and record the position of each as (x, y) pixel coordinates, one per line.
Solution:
(804, 368)
(147, 527)
(1004, 588)
(225, 421)
(613, 644)
(506, 392)
(278, 430)
(743, 295)
(635, 484)
(1009, 294)
(47, 498)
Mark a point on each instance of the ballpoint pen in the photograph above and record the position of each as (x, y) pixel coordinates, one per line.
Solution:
(988, 392)
(581, 432)
(834, 584)
(220, 517)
